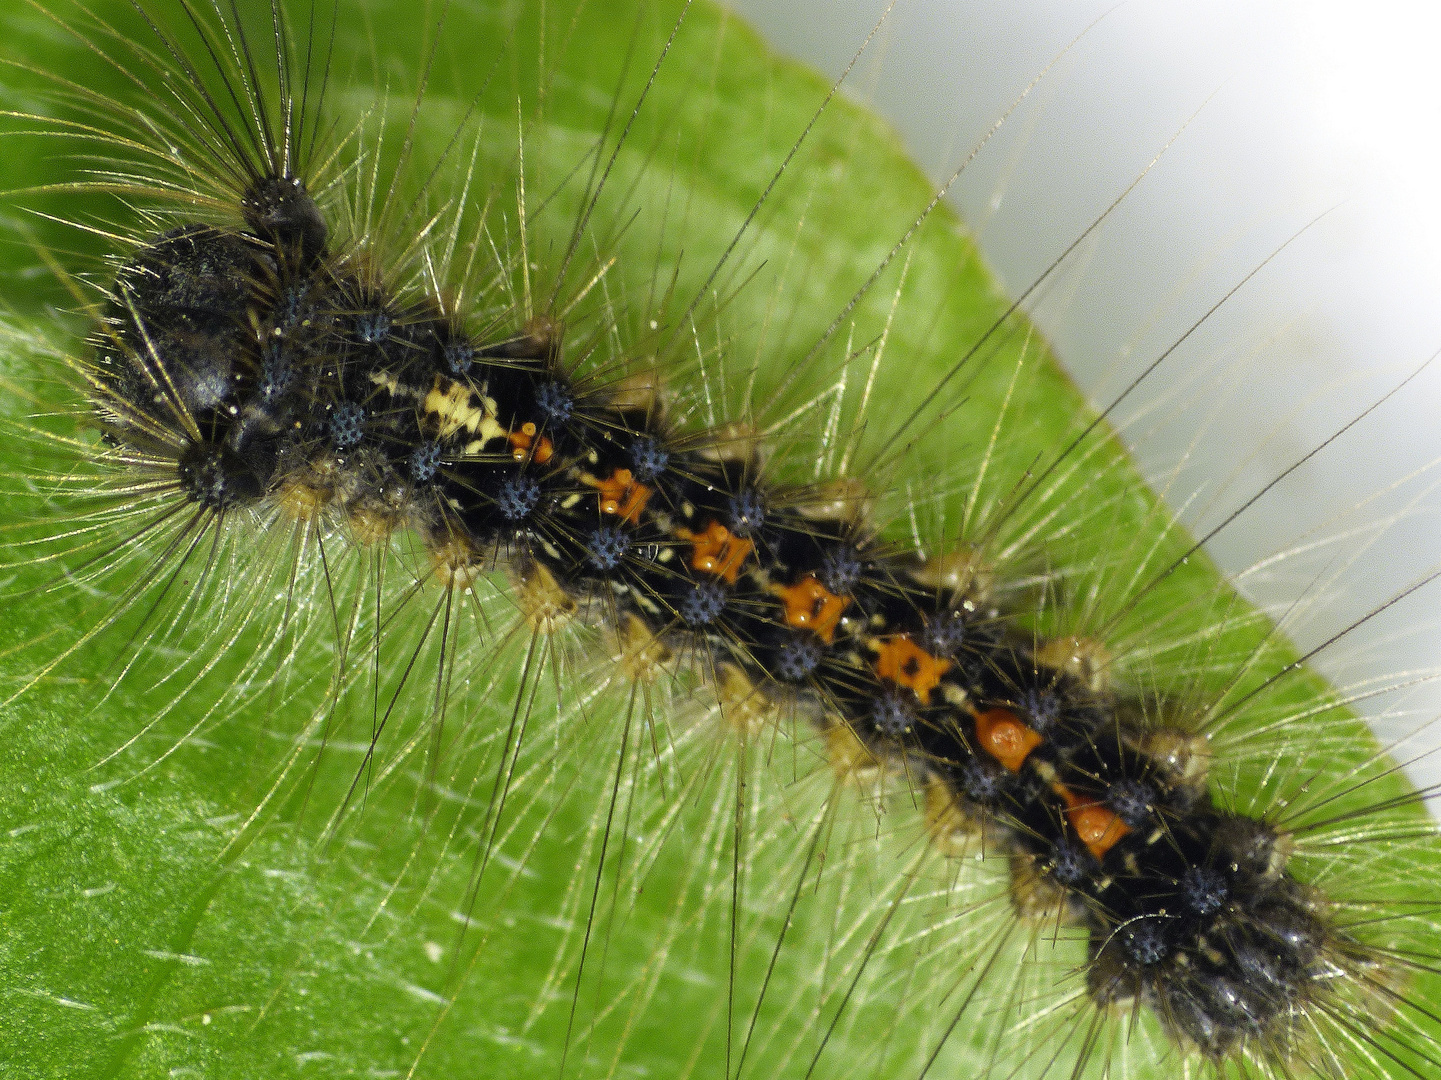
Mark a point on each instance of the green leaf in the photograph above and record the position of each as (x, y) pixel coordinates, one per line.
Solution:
(150, 925)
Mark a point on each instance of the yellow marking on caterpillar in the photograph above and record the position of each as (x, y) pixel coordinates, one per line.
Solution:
(456, 406)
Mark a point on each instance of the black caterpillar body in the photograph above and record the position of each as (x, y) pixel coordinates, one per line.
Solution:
(257, 367)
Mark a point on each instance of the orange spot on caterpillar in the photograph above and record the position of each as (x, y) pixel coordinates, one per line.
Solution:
(1005, 738)
(810, 605)
(905, 663)
(1098, 828)
(622, 496)
(717, 552)
(527, 445)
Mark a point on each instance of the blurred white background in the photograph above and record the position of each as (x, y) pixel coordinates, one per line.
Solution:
(1286, 110)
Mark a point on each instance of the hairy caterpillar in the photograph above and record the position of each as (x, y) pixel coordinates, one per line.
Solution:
(1268, 137)
(681, 823)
